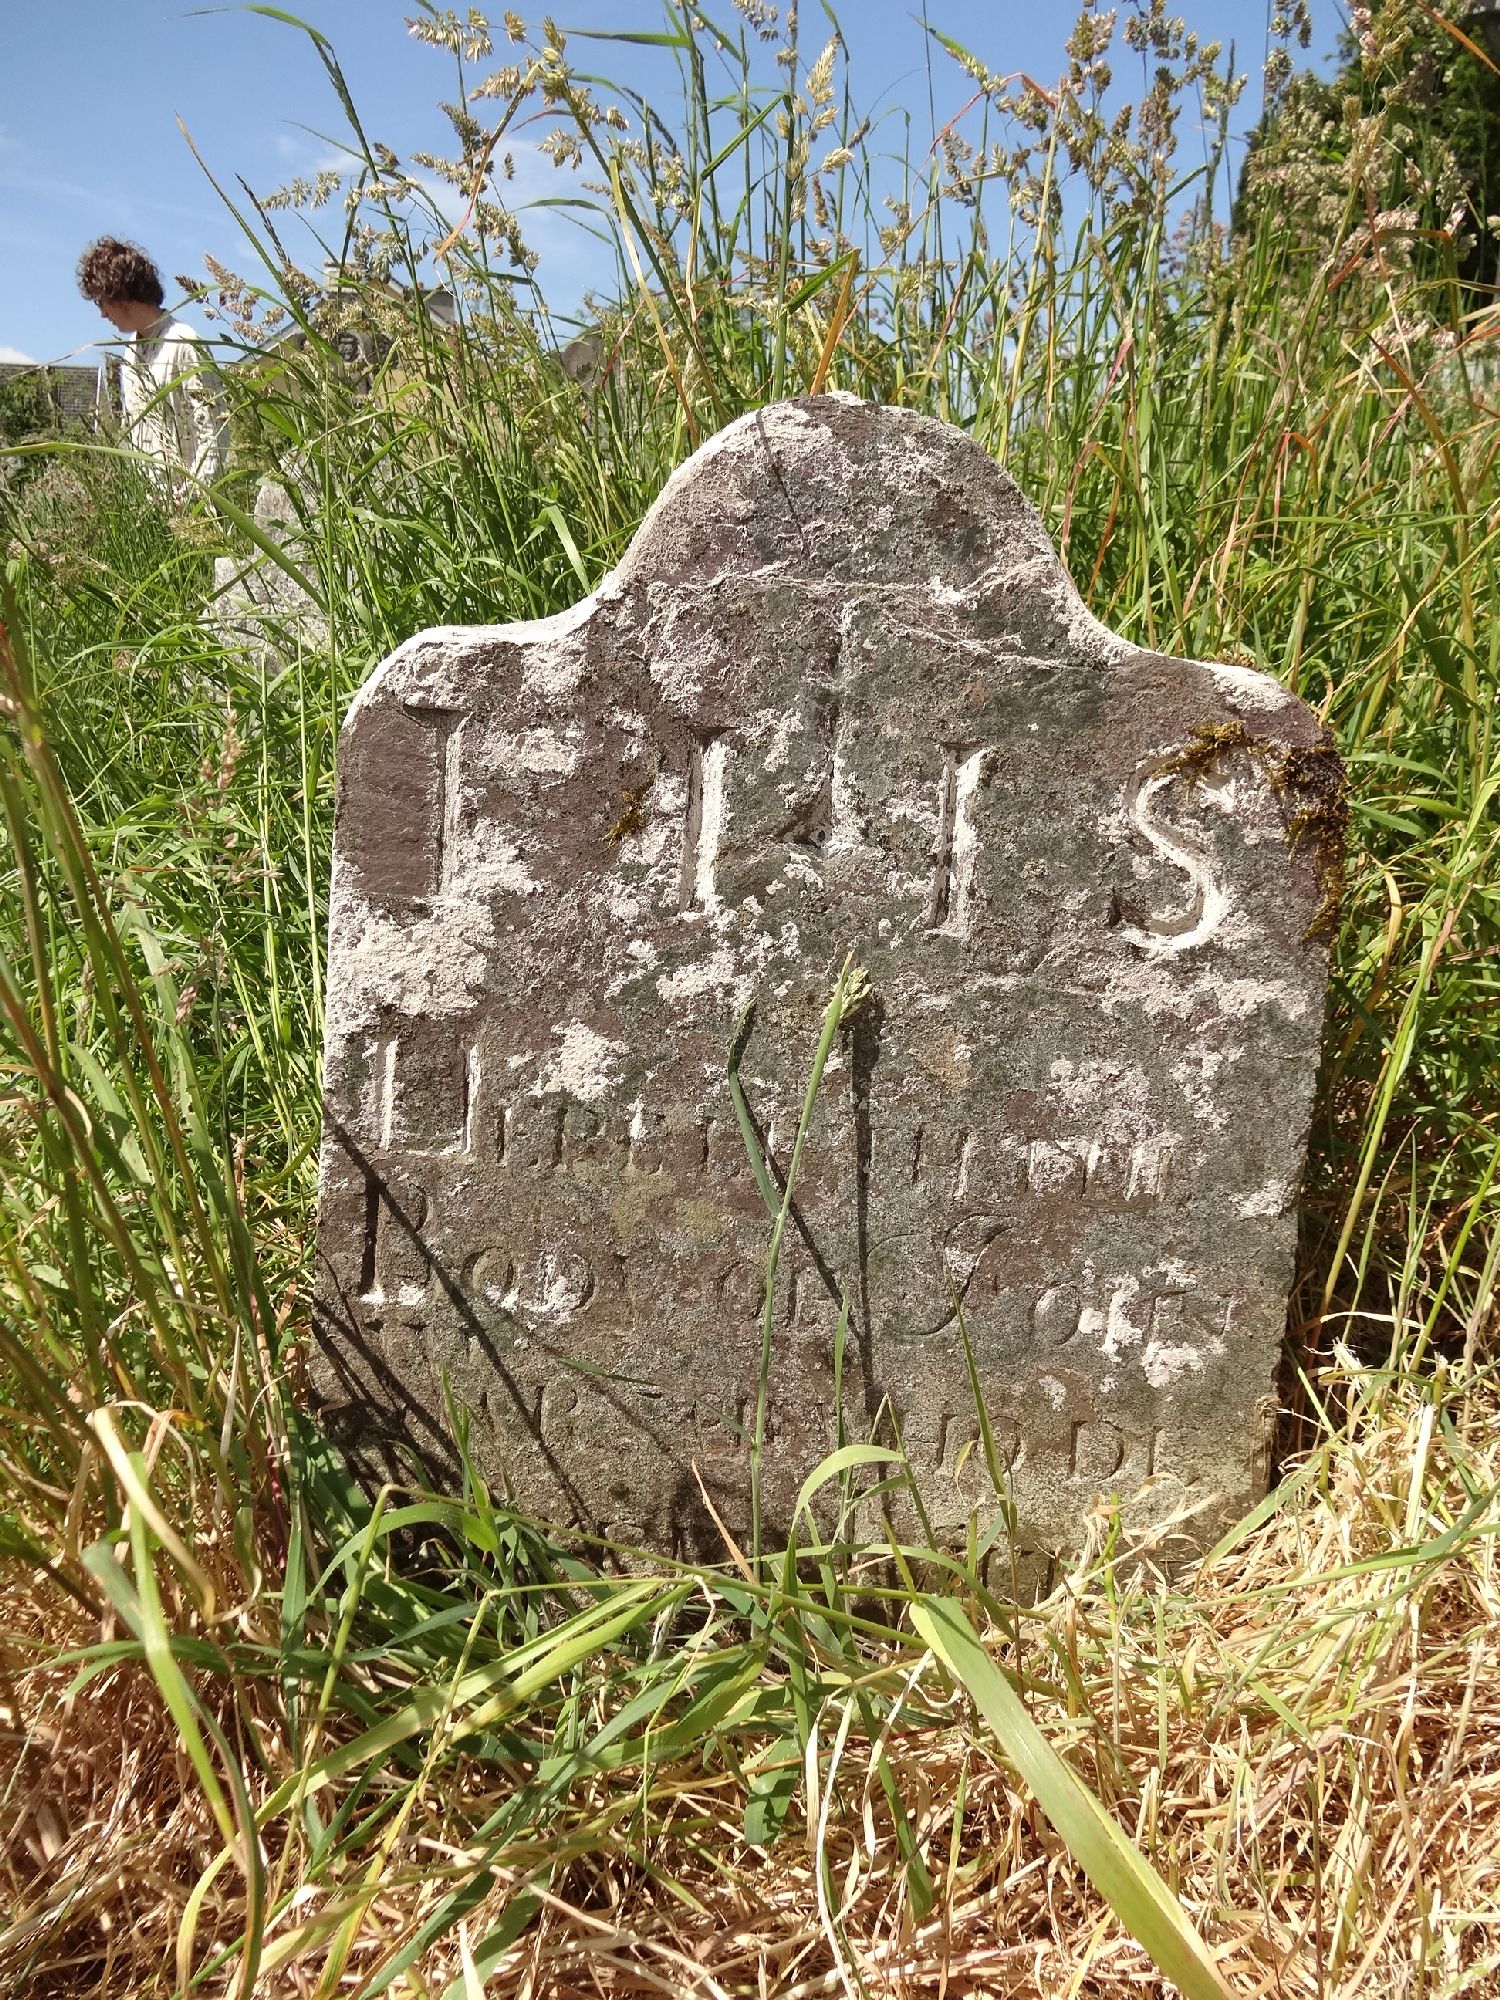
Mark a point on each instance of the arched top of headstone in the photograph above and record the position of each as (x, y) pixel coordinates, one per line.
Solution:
(840, 496)
(840, 696)
(830, 489)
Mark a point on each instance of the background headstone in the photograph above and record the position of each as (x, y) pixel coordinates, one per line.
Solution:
(840, 696)
(256, 603)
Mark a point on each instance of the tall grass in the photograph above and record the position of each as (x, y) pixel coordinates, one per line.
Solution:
(261, 1734)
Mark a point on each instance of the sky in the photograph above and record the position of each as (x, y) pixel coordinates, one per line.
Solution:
(96, 97)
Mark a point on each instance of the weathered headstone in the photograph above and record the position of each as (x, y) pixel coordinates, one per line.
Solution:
(840, 696)
(259, 604)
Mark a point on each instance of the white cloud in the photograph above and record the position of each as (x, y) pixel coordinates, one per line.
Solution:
(295, 152)
(14, 354)
(107, 206)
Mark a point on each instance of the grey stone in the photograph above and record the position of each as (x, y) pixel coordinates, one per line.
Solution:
(839, 697)
(256, 603)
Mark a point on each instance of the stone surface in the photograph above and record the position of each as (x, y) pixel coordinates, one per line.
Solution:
(256, 604)
(840, 696)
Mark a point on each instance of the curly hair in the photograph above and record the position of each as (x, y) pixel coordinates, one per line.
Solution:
(110, 269)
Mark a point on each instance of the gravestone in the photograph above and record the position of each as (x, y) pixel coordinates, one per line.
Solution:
(840, 696)
(256, 602)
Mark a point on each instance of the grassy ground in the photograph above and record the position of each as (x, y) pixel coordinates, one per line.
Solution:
(243, 1747)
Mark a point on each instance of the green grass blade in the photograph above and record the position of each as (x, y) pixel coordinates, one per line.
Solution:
(1131, 1887)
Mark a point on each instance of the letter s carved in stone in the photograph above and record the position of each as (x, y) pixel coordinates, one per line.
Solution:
(1200, 915)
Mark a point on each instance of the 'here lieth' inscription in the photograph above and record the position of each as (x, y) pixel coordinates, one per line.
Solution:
(840, 696)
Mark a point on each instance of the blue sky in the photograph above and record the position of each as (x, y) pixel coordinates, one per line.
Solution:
(91, 92)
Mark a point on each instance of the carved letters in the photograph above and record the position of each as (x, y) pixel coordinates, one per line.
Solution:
(956, 860)
(851, 704)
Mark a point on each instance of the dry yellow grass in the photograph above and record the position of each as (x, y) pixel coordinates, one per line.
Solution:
(1303, 1736)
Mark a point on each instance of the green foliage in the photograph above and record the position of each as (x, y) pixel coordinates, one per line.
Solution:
(1396, 157)
(25, 407)
(39, 405)
(408, 1728)
(26, 415)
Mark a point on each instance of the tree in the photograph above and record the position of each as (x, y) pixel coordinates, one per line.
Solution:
(1398, 154)
(26, 413)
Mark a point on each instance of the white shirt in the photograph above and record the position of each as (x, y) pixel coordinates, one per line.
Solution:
(174, 403)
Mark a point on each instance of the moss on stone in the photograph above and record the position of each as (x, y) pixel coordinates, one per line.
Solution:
(1307, 781)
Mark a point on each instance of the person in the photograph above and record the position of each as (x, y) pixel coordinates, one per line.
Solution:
(173, 399)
